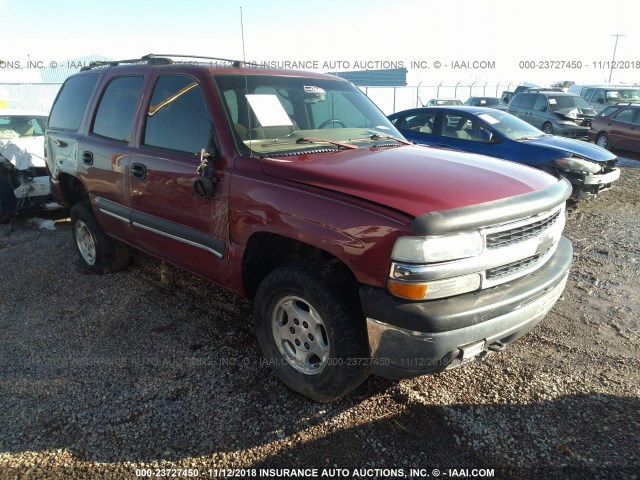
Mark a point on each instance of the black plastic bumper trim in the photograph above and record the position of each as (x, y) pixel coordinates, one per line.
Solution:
(468, 309)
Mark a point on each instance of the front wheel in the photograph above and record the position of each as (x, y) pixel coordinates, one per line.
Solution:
(547, 128)
(603, 141)
(98, 252)
(310, 333)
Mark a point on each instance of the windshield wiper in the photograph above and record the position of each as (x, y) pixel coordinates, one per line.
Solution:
(529, 138)
(377, 136)
(311, 140)
(324, 140)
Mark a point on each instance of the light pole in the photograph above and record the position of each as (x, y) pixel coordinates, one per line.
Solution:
(617, 35)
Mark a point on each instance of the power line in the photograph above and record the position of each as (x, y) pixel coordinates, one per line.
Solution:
(617, 35)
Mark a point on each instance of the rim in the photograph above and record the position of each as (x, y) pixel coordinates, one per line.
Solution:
(300, 335)
(602, 141)
(546, 128)
(86, 243)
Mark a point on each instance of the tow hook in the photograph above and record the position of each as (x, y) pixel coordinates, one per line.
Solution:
(497, 346)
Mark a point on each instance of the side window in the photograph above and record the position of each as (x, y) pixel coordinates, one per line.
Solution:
(516, 101)
(421, 122)
(636, 120)
(178, 118)
(541, 103)
(71, 102)
(625, 115)
(528, 100)
(114, 117)
(598, 96)
(463, 127)
(588, 94)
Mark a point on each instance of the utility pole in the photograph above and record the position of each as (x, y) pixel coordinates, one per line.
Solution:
(617, 35)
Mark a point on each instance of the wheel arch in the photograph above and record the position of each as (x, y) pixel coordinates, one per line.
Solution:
(267, 251)
(72, 189)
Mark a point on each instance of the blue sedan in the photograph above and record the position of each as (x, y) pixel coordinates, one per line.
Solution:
(488, 131)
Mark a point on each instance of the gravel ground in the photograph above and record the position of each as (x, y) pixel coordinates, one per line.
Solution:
(105, 375)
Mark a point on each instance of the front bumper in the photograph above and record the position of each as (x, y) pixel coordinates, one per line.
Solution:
(408, 339)
(589, 185)
(571, 131)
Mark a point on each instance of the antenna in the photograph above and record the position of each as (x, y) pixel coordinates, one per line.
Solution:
(246, 84)
(244, 57)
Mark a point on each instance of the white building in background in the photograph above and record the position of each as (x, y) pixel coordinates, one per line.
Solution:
(34, 87)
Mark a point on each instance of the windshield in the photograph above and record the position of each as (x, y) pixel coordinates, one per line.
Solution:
(510, 126)
(490, 101)
(282, 114)
(560, 102)
(623, 96)
(19, 126)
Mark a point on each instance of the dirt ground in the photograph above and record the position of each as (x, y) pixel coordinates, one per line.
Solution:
(120, 376)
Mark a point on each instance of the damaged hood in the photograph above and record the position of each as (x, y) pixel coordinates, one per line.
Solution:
(568, 147)
(24, 152)
(412, 179)
(573, 113)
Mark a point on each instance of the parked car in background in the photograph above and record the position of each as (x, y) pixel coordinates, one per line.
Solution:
(525, 87)
(578, 89)
(617, 127)
(437, 102)
(24, 181)
(601, 97)
(491, 102)
(554, 112)
(589, 168)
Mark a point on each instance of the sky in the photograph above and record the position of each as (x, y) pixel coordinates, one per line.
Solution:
(475, 41)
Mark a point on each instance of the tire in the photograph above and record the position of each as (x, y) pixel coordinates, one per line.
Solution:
(547, 128)
(602, 140)
(8, 200)
(311, 333)
(98, 252)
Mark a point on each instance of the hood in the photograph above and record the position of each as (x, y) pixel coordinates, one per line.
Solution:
(23, 153)
(575, 147)
(572, 113)
(412, 179)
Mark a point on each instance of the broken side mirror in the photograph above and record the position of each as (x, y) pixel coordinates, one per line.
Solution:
(205, 185)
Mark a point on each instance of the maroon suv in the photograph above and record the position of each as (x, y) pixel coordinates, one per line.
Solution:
(362, 253)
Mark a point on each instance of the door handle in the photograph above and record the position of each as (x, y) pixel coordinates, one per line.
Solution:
(138, 171)
(87, 158)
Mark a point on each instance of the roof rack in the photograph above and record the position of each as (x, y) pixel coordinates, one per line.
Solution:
(158, 59)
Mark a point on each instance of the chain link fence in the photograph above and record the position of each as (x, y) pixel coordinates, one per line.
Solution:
(394, 99)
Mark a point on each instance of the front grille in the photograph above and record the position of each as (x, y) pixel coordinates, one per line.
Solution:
(513, 267)
(523, 232)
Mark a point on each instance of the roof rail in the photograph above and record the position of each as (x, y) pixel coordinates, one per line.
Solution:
(166, 56)
(158, 59)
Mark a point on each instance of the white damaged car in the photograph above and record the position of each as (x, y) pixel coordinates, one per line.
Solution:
(24, 180)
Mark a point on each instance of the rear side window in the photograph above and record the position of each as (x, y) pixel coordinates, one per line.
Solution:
(71, 102)
(516, 101)
(117, 108)
(528, 99)
(625, 115)
(178, 118)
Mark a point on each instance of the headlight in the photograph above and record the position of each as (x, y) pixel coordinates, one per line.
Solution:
(572, 164)
(565, 122)
(437, 249)
(435, 288)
